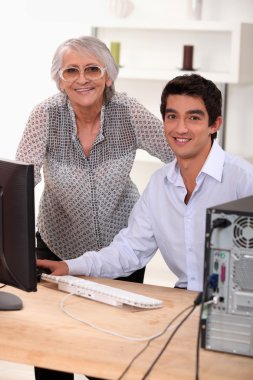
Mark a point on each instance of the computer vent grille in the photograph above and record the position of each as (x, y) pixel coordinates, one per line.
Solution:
(243, 232)
(242, 272)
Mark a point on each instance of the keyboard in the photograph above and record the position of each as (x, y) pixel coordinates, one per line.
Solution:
(102, 293)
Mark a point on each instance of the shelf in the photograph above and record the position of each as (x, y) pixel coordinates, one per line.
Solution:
(165, 75)
(152, 53)
(200, 25)
(222, 50)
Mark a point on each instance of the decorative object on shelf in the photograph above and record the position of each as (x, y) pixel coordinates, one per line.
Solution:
(232, 39)
(188, 57)
(115, 50)
(194, 9)
(120, 8)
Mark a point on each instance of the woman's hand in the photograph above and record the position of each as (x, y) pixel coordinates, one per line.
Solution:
(57, 268)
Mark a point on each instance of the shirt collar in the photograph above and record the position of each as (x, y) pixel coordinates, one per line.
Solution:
(172, 173)
(213, 166)
(100, 136)
(214, 162)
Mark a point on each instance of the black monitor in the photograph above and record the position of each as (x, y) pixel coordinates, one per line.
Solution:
(17, 231)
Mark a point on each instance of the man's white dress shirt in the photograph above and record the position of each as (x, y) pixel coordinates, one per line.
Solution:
(161, 220)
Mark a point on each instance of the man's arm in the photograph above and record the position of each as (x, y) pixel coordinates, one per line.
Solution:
(57, 268)
(131, 249)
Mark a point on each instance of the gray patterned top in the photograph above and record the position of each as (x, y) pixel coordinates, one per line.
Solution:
(87, 200)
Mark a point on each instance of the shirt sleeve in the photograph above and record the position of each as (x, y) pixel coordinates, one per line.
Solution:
(132, 248)
(149, 132)
(32, 146)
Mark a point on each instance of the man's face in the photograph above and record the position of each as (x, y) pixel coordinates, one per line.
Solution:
(186, 127)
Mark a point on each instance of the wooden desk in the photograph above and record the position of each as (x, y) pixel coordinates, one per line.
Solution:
(42, 335)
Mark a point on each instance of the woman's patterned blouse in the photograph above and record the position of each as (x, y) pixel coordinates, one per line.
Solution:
(87, 200)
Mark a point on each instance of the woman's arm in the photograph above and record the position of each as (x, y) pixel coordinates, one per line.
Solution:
(149, 132)
(32, 146)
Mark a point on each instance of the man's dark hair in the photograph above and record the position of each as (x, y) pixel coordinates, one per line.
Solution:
(196, 86)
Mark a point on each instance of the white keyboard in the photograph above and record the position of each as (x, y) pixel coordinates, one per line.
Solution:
(102, 293)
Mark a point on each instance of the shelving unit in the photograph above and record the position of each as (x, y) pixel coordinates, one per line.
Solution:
(222, 50)
(154, 54)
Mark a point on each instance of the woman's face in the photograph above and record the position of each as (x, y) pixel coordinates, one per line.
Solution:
(83, 92)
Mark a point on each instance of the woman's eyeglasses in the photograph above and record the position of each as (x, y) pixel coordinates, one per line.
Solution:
(70, 74)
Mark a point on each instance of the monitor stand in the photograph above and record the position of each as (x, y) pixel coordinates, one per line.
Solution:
(9, 301)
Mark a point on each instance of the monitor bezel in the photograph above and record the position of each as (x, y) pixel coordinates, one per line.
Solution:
(17, 225)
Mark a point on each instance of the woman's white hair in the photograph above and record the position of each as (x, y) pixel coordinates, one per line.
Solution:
(90, 45)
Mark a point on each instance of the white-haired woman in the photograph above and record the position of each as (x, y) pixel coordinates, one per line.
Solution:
(85, 138)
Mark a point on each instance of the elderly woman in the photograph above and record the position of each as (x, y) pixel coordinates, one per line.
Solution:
(85, 138)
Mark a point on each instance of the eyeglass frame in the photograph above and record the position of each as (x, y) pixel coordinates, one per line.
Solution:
(102, 70)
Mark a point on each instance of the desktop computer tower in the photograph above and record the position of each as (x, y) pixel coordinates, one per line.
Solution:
(227, 308)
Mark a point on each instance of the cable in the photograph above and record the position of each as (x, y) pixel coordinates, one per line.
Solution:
(135, 339)
(199, 299)
(6, 266)
(133, 360)
(199, 335)
(219, 223)
(168, 341)
(148, 343)
(149, 339)
(197, 302)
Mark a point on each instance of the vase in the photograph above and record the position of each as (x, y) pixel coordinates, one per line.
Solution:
(194, 9)
(120, 8)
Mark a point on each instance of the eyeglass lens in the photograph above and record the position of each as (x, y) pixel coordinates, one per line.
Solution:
(91, 73)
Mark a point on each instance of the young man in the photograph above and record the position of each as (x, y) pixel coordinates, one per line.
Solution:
(170, 215)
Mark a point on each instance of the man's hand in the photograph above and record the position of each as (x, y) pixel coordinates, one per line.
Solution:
(57, 268)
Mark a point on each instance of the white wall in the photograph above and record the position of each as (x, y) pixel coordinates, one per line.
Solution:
(30, 30)
(27, 46)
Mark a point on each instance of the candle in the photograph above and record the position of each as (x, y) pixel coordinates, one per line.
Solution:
(188, 57)
(115, 50)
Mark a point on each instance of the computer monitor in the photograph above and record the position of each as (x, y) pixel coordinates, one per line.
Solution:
(17, 231)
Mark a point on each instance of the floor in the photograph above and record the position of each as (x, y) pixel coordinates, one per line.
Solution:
(13, 371)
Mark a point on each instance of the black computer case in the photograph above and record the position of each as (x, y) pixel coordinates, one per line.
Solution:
(227, 310)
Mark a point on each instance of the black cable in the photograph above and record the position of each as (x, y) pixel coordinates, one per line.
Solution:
(217, 223)
(221, 223)
(203, 295)
(148, 343)
(168, 341)
(6, 266)
(197, 347)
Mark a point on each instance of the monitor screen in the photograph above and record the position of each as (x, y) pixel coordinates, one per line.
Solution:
(17, 231)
